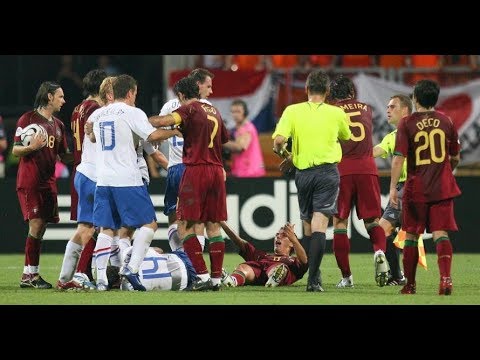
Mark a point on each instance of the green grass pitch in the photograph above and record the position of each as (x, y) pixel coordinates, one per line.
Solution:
(466, 268)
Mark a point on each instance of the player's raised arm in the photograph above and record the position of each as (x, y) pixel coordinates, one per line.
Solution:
(162, 134)
(299, 250)
(233, 236)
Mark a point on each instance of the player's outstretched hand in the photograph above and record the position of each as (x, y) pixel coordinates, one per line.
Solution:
(88, 128)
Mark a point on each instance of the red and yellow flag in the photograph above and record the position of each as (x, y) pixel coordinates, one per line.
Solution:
(399, 242)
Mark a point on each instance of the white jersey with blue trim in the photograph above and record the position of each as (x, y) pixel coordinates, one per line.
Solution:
(160, 271)
(88, 162)
(175, 143)
(142, 163)
(114, 126)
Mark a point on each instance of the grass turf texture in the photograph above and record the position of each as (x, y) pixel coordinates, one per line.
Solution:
(466, 268)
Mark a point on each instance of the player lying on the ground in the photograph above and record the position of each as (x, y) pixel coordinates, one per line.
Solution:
(158, 271)
(260, 268)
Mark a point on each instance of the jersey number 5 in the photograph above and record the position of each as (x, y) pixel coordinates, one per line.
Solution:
(215, 129)
(356, 124)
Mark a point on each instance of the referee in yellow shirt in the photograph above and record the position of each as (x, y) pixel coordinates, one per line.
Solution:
(315, 128)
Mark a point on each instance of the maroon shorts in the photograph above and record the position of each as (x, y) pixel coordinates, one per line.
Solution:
(39, 204)
(433, 216)
(73, 197)
(202, 195)
(261, 271)
(363, 190)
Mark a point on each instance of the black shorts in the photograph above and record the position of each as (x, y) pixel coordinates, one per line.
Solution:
(317, 190)
(394, 215)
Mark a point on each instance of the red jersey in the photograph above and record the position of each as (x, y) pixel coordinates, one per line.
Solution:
(80, 115)
(427, 139)
(203, 132)
(357, 152)
(296, 268)
(37, 169)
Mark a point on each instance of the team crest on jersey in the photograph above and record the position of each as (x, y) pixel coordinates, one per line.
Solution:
(18, 131)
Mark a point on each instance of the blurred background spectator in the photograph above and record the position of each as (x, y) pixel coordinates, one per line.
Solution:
(3, 147)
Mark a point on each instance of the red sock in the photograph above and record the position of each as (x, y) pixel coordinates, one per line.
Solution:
(192, 247)
(217, 252)
(86, 257)
(444, 253)
(378, 239)
(32, 251)
(410, 260)
(239, 277)
(341, 248)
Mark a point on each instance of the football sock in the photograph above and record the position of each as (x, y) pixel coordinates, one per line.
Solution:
(444, 254)
(238, 277)
(123, 244)
(32, 253)
(410, 260)
(305, 242)
(86, 256)
(173, 239)
(192, 247)
(341, 249)
(143, 239)
(315, 256)
(102, 254)
(115, 259)
(70, 258)
(393, 257)
(216, 248)
(377, 237)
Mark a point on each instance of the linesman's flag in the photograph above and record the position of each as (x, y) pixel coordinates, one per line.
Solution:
(399, 242)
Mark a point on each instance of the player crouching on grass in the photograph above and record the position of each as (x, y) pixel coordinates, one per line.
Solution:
(270, 270)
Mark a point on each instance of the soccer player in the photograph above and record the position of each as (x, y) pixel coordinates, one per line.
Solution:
(85, 180)
(36, 185)
(203, 79)
(3, 147)
(121, 197)
(359, 184)
(270, 270)
(202, 193)
(158, 271)
(429, 140)
(315, 128)
(398, 107)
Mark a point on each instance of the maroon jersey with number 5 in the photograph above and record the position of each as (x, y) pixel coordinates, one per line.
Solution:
(357, 152)
(427, 139)
(37, 169)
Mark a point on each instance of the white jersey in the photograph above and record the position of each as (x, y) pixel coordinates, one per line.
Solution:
(175, 143)
(160, 271)
(114, 126)
(142, 164)
(88, 162)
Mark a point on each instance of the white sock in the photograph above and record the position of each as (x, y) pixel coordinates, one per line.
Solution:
(25, 270)
(70, 259)
(216, 281)
(201, 240)
(204, 277)
(33, 269)
(173, 239)
(102, 254)
(124, 243)
(115, 259)
(143, 239)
